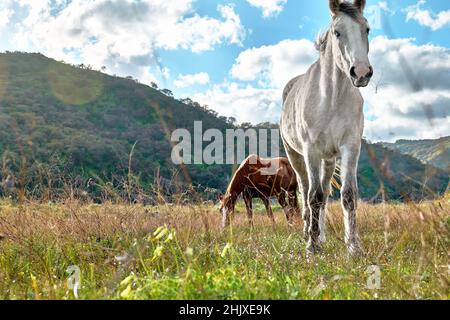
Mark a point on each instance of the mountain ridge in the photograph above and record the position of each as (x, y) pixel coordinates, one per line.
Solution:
(434, 152)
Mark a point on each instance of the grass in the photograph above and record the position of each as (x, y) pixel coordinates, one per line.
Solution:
(180, 252)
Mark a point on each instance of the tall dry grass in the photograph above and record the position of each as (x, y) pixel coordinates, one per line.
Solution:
(120, 256)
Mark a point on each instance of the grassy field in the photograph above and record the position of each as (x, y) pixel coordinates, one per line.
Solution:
(180, 252)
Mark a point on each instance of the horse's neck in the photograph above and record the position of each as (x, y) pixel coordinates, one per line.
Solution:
(333, 81)
(236, 186)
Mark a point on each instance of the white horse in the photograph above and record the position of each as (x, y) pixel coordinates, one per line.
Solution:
(323, 119)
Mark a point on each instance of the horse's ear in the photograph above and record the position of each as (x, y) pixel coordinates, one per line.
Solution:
(334, 6)
(360, 4)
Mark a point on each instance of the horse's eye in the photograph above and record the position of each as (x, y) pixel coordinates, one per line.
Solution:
(337, 34)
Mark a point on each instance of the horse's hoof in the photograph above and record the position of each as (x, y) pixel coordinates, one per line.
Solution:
(355, 250)
(313, 249)
(226, 226)
(322, 238)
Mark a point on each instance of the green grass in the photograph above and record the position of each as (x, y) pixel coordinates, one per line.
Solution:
(172, 252)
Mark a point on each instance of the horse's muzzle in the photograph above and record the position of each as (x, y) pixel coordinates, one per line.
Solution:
(361, 75)
(361, 83)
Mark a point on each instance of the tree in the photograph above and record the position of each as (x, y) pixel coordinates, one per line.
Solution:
(213, 113)
(187, 101)
(267, 125)
(232, 121)
(246, 125)
(167, 92)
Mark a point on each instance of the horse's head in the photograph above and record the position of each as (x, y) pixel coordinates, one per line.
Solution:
(349, 36)
(226, 208)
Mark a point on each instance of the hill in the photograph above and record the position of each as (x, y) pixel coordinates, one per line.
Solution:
(387, 174)
(68, 126)
(63, 118)
(434, 152)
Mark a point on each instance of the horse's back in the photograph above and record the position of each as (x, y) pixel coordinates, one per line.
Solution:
(276, 173)
(289, 113)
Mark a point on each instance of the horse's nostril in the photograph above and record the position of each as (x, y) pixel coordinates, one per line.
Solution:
(370, 74)
(353, 73)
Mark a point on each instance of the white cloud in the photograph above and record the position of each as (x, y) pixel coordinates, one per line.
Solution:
(275, 65)
(269, 7)
(427, 18)
(244, 102)
(5, 14)
(374, 14)
(123, 35)
(399, 105)
(189, 80)
(266, 70)
(413, 95)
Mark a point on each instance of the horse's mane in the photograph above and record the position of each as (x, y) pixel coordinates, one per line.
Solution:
(251, 160)
(235, 175)
(233, 180)
(321, 41)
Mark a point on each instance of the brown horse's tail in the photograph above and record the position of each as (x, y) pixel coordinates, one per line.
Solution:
(335, 185)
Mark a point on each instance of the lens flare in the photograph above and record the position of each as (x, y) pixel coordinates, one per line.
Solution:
(74, 86)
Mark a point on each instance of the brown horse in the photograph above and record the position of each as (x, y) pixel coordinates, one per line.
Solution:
(263, 179)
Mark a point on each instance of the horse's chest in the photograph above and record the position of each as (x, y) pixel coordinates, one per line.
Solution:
(327, 145)
(331, 124)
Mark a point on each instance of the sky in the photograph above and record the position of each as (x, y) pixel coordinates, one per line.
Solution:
(237, 55)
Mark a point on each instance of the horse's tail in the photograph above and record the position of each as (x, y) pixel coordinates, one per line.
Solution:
(335, 184)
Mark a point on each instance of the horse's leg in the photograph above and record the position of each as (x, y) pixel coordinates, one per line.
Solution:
(285, 205)
(298, 164)
(249, 205)
(293, 204)
(315, 198)
(266, 202)
(328, 167)
(349, 195)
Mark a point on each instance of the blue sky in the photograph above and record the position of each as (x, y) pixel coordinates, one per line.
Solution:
(299, 19)
(236, 55)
